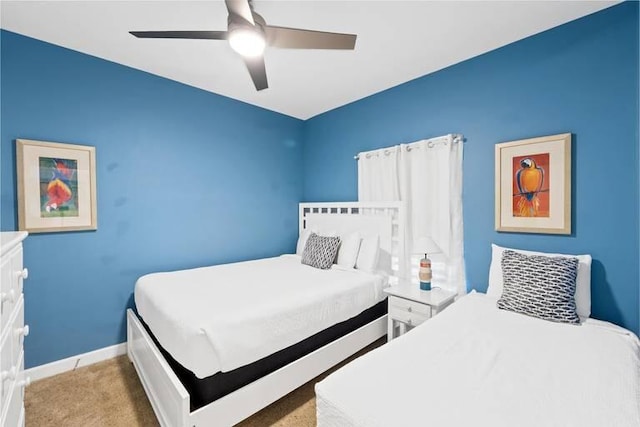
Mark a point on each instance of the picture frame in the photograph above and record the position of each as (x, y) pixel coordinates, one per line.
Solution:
(533, 185)
(56, 186)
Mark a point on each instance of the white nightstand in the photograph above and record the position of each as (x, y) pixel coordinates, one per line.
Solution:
(409, 306)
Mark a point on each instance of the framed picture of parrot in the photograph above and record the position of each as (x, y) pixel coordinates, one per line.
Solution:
(56, 186)
(533, 185)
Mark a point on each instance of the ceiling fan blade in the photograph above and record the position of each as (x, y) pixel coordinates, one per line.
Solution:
(294, 38)
(198, 35)
(258, 72)
(240, 8)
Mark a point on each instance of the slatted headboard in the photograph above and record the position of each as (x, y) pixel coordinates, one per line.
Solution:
(385, 219)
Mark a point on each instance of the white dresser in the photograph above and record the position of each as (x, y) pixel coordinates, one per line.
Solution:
(12, 330)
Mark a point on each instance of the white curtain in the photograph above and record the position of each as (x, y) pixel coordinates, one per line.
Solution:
(378, 177)
(427, 177)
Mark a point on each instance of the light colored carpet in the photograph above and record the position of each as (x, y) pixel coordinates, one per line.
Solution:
(110, 394)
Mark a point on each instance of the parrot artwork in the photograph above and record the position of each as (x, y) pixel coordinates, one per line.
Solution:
(529, 179)
(59, 189)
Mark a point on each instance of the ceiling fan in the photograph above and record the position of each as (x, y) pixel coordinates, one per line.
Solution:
(248, 34)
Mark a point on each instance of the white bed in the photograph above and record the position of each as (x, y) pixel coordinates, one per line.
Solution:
(217, 319)
(223, 317)
(474, 364)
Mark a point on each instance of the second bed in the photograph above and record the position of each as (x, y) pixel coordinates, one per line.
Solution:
(475, 364)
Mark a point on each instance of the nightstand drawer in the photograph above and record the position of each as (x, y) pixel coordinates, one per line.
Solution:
(410, 319)
(400, 305)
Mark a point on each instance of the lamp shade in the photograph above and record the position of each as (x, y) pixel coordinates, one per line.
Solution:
(425, 245)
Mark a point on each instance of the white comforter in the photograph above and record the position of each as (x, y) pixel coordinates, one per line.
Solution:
(475, 365)
(220, 318)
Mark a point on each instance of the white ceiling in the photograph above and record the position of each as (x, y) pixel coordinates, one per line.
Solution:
(397, 41)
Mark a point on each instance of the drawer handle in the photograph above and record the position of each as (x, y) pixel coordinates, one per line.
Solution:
(409, 309)
(24, 274)
(9, 296)
(25, 382)
(10, 374)
(24, 331)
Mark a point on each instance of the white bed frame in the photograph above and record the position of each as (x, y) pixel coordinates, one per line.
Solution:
(169, 398)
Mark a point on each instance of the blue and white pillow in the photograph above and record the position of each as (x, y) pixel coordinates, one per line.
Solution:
(540, 286)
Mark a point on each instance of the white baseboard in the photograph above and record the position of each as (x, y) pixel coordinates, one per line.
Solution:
(71, 363)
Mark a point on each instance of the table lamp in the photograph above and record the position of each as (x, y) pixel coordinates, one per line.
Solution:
(425, 245)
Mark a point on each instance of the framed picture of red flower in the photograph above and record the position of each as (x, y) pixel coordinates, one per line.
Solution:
(56, 186)
(533, 185)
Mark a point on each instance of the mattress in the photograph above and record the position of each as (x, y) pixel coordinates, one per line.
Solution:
(476, 365)
(217, 319)
(203, 391)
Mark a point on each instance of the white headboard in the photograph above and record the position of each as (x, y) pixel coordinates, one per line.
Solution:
(385, 219)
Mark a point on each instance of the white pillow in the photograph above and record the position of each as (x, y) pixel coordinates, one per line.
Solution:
(369, 252)
(348, 251)
(302, 240)
(583, 281)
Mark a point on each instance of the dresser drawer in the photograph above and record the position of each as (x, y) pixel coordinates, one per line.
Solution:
(18, 331)
(6, 373)
(404, 305)
(14, 408)
(7, 299)
(18, 271)
(11, 281)
(11, 347)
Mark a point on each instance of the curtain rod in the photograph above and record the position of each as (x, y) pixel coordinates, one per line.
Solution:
(430, 143)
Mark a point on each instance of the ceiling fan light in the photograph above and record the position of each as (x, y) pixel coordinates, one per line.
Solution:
(247, 42)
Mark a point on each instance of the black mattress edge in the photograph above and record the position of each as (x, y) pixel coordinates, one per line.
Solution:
(203, 391)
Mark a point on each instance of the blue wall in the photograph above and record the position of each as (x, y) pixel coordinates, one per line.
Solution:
(185, 178)
(582, 78)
